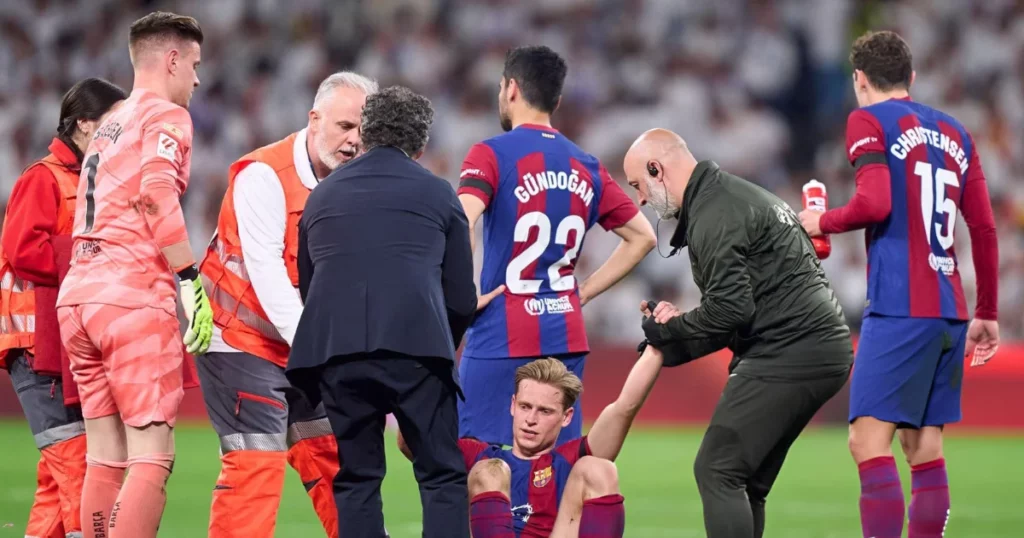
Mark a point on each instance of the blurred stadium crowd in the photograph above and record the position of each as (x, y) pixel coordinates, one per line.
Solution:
(763, 88)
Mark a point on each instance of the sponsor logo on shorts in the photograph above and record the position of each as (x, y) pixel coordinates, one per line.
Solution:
(557, 305)
(542, 477)
(946, 264)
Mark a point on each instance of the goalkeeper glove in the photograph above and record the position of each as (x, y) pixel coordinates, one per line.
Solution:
(197, 311)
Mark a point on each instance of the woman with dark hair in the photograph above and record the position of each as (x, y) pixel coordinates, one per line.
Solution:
(36, 248)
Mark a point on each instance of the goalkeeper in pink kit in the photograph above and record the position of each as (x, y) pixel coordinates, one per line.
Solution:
(916, 169)
(117, 304)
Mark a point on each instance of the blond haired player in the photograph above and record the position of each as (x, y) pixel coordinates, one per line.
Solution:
(116, 306)
(540, 488)
(251, 274)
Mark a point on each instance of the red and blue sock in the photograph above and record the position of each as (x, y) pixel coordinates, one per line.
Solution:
(882, 508)
(603, 517)
(929, 502)
(490, 516)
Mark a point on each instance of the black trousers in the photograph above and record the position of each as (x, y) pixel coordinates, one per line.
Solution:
(754, 424)
(358, 393)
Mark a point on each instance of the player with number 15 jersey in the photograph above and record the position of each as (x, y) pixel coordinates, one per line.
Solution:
(923, 166)
(538, 193)
(916, 169)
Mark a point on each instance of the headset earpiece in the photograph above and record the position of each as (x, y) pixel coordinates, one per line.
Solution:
(652, 170)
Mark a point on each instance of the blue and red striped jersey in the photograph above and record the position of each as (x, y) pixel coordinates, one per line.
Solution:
(913, 270)
(542, 193)
(537, 484)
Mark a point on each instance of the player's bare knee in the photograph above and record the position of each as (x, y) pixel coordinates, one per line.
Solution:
(105, 439)
(490, 475)
(921, 446)
(600, 476)
(909, 445)
(153, 438)
(870, 438)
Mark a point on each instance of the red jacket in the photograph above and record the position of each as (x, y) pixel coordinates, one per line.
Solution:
(32, 219)
(28, 242)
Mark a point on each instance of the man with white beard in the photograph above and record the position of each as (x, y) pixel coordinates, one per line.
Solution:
(764, 296)
(251, 277)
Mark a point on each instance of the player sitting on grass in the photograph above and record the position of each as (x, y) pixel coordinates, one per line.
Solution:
(537, 489)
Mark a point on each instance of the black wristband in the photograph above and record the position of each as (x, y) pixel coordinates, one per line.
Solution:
(189, 273)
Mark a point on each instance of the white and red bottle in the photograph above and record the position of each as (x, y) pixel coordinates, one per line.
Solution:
(816, 199)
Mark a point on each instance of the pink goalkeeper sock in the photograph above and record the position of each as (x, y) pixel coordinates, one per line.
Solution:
(140, 505)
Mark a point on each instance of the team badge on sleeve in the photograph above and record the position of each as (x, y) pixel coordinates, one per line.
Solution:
(170, 128)
(167, 147)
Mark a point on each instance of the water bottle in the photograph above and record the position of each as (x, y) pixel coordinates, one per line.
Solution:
(816, 199)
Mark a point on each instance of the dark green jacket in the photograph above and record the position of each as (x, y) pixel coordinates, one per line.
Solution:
(763, 291)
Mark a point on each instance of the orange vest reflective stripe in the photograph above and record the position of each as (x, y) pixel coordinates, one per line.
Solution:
(236, 309)
(17, 296)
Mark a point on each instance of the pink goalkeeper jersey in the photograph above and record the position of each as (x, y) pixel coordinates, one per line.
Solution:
(143, 149)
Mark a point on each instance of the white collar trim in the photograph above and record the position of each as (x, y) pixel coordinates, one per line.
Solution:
(302, 165)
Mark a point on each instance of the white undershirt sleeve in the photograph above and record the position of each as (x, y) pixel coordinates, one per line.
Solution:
(261, 212)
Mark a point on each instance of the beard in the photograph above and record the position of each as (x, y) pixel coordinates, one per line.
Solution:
(328, 155)
(506, 122)
(504, 119)
(657, 198)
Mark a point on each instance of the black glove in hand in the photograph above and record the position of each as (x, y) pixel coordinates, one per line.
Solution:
(657, 333)
(673, 354)
(676, 351)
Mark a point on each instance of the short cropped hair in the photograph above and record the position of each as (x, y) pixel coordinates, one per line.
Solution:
(885, 59)
(552, 372)
(539, 72)
(163, 25)
(398, 117)
(344, 79)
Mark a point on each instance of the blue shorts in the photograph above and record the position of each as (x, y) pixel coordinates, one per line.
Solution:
(489, 385)
(909, 371)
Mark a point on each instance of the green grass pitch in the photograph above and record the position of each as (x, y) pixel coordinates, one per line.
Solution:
(815, 496)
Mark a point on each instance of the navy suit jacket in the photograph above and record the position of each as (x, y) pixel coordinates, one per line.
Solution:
(385, 265)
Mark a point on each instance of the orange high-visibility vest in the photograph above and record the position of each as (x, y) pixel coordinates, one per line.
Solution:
(18, 296)
(236, 309)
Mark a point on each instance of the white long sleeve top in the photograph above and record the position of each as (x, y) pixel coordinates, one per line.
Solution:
(261, 214)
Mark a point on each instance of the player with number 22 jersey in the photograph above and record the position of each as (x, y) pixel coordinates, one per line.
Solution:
(538, 193)
(542, 194)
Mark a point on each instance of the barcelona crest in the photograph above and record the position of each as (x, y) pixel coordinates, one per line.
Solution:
(542, 477)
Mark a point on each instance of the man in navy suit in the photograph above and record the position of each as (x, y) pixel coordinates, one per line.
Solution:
(386, 274)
